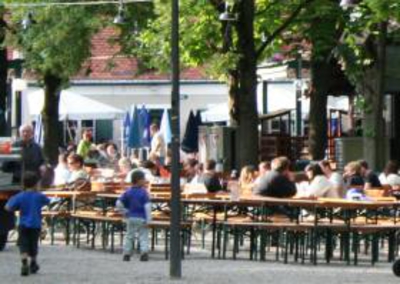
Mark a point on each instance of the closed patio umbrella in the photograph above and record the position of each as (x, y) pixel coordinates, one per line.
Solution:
(144, 127)
(165, 127)
(190, 139)
(126, 124)
(38, 131)
(134, 137)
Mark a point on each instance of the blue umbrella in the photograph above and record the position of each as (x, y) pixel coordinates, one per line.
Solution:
(126, 124)
(165, 127)
(134, 136)
(144, 127)
(190, 139)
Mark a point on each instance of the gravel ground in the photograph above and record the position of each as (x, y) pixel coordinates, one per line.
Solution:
(61, 264)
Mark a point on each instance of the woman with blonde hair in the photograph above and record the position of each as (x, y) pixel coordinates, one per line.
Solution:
(246, 180)
(352, 175)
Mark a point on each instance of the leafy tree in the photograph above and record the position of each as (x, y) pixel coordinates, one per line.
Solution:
(229, 51)
(54, 48)
(370, 25)
(323, 25)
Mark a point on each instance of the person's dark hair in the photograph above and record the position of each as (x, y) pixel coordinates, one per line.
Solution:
(391, 168)
(30, 179)
(136, 176)
(363, 164)
(112, 145)
(154, 126)
(280, 164)
(93, 154)
(76, 159)
(210, 165)
(148, 165)
(315, 169)
(192, 163)
(266, 165)
(325, 164)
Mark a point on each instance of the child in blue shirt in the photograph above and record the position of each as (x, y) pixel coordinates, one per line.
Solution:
(29, 203)
(136, 207)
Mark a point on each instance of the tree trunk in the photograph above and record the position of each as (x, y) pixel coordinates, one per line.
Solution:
(324, 38)
(3, 79)
(246, 106)
(373, 89)
(50, 117)
(318, 109)
(233, 98)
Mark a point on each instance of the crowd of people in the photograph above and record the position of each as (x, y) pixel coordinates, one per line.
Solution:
(275, 179)
(271, 178)
(79, 165)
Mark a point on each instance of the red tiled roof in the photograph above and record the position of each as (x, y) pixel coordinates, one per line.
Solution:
(107, 64)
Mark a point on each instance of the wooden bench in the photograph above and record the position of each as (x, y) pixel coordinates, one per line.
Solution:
(56, 216)
(264, 231)
(112, 224)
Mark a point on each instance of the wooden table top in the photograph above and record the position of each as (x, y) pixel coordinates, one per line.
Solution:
(224, 199)
(67, 194)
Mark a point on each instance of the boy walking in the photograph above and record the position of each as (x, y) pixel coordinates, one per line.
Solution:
(136, 207)
(29, 203)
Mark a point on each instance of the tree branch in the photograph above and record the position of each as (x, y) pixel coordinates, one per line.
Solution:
(271, 4)
(280, 29)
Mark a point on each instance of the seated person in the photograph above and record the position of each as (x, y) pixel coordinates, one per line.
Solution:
(319, 186)
(150, 170)
(134, 158)
(95, 158)
(246, 180)
(278, 182)
(124, 167)
(191, 168)
(210, 177)
(335, 178)
(352, 175)
(390, 175)
(79, 176)
(263, 168)
(370, 178)
(61, 172)
(112, 156)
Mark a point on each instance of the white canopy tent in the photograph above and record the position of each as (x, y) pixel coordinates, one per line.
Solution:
(73, 107)
(216, 113)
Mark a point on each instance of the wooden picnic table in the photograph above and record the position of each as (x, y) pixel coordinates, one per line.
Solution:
(221, 202)
(70, 196)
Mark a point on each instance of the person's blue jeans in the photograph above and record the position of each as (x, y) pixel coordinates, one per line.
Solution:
(134, 227)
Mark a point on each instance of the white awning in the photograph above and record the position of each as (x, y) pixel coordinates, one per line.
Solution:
(74, 107)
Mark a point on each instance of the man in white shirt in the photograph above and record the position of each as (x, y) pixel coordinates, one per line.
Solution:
(158, 147)
(334, 177)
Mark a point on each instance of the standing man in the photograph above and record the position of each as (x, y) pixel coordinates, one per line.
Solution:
(158, 147)
(32, 157)
(31, 161)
